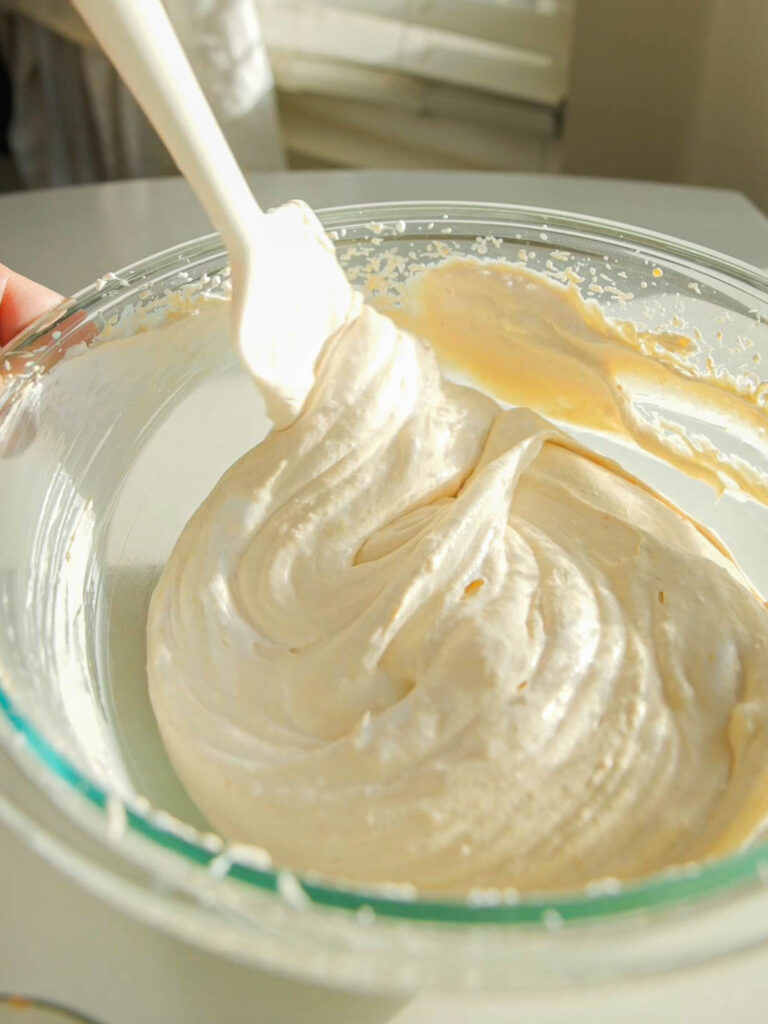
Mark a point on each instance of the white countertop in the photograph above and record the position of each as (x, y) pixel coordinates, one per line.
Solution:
(69, 237)
(59, 942)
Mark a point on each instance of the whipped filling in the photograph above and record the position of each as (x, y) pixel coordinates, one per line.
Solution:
(414, 637)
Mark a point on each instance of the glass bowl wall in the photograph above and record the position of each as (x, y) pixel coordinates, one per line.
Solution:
(102, 462)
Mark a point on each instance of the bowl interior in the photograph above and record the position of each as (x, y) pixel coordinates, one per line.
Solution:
(105, 453)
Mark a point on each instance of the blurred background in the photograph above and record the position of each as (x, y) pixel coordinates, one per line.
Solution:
(664, 90)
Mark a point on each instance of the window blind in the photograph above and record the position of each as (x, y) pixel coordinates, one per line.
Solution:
(476, 83)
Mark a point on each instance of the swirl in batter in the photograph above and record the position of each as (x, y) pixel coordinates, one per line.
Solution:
(414, 637)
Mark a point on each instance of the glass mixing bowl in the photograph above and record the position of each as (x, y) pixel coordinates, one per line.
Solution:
(99, 471)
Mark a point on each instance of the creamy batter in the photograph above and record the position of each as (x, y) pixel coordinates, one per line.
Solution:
(414, 637)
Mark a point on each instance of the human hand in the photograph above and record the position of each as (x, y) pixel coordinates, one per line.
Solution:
(21, 302)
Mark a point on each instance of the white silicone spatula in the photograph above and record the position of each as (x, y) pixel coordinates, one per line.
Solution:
(288, 293)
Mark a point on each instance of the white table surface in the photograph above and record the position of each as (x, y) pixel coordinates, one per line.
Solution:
(69, 237)
(60, 942)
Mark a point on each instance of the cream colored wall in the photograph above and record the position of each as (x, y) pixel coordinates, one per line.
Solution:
(632, 93)
(671, 90)
(729, 140)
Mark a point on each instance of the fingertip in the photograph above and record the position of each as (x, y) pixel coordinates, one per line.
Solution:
(21, 302)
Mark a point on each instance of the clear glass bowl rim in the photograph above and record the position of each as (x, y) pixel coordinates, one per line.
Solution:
(741, 871)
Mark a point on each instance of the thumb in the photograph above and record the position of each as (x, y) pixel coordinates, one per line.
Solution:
(21, 302)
